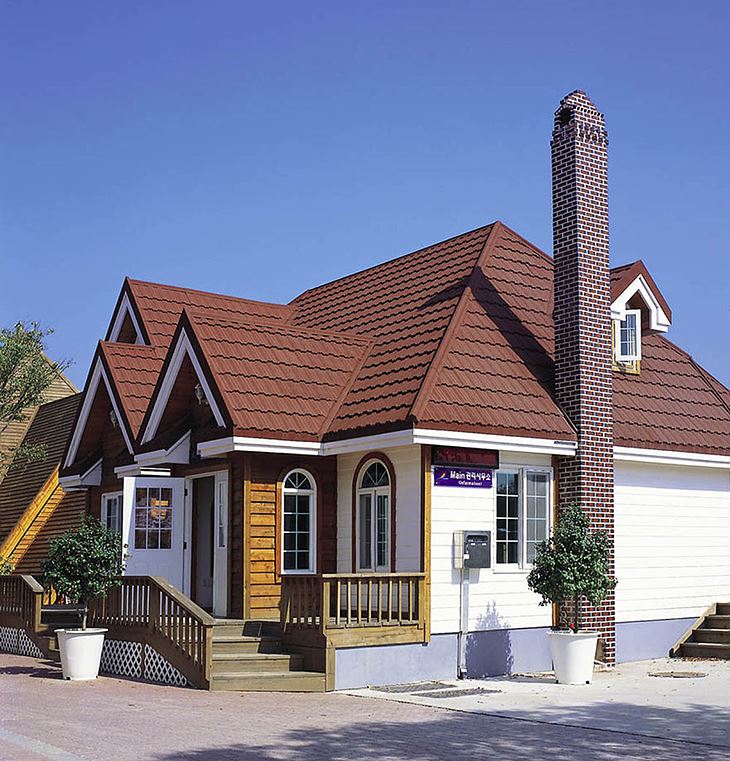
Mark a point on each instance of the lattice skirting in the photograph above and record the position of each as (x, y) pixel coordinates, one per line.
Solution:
(125, 659)
(17, 642)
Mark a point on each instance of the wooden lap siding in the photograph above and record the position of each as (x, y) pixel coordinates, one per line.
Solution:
(259, 546)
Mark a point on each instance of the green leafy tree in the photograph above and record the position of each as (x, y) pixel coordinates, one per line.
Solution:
(84, 564)
(25, 374)
(573, 564)
(6, 567)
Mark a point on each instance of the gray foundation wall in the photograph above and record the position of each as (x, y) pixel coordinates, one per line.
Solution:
(507, 651)
(641, 640)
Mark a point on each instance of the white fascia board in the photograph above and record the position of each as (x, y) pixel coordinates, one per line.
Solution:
(125, 308)
(490, 441)
(385, 440)
(98, 374)
(249, 444)
(182, 348)
(135, 469)
(667, 457)
(92, 477)
(368, 443)
(658, 319)
(178, 453)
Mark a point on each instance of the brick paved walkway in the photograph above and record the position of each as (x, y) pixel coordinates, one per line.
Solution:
(42, 718)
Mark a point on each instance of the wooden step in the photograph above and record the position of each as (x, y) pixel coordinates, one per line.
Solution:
(718, 622)
(256, 663)
(293, 681)
(232, 645)
(705, 650)
(716, 636)
(723, 609)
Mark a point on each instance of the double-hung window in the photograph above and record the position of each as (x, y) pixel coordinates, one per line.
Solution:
(373, 523)
(300, 511)
(523, 507)
(111, 511)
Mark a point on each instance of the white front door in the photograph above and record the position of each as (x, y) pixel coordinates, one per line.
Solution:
(153, 525)
(220, 547)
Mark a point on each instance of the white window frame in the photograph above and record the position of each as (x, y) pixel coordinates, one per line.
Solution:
(312, 494)
(632, 357)
(522, 471)
(374, 493)
(105, 500)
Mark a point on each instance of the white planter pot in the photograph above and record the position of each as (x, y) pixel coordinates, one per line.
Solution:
(80, 652)
(573, 656)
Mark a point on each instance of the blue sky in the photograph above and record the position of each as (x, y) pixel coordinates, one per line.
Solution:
(259, 149)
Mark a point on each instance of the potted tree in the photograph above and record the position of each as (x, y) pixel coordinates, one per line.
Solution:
(571, 565)
(82, 565)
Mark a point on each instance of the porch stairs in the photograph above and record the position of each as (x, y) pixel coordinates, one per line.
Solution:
(709, 636)
(249, 656)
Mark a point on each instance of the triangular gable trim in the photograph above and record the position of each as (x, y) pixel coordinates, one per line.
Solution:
(183, 348)
(659, 320)
(123, 309)
(97, 376)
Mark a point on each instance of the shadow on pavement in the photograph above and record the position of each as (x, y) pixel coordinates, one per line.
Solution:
(455, 736)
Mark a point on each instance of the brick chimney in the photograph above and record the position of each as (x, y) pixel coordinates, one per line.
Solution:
(582, 312)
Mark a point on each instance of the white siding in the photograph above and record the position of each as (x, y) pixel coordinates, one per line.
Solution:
(407, 464)
(497, 599)
(672, 540)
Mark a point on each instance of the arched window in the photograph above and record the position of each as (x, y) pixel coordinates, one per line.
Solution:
(299, 523)
(373, 518)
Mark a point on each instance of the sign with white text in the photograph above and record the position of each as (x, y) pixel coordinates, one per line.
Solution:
(473, 478)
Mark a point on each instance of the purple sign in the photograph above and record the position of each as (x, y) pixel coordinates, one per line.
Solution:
(474, 478)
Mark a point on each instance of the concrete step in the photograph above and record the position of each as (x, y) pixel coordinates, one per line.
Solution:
(718, 622)
(723, 609)
(716, 636)
(233, 645)
(293, 681)
(705, 650)
(256, 663)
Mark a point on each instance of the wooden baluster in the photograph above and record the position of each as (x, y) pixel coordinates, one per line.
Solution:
(370, 600)
(390, 600)
(411, 584)
(400, 601)
(359, 602)
(338, 602)
(349, 600)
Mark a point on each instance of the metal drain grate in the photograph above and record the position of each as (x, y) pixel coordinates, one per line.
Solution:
(457, 693)
(678, 674)
(414, 687)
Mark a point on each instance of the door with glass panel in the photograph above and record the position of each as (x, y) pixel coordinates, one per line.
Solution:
(153, 527)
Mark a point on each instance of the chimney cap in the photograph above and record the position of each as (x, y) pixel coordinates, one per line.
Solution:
(577, 112)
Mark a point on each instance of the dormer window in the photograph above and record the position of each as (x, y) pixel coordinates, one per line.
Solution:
(628, 346)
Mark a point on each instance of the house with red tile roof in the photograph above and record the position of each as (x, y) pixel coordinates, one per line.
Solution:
(370, 467)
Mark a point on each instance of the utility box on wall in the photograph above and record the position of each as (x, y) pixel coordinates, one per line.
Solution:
(472, 549)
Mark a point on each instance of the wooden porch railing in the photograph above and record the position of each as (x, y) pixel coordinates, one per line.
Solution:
(348, 608)
(181, 631)
(21, 599)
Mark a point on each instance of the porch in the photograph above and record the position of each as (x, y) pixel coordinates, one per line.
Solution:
(156, 633)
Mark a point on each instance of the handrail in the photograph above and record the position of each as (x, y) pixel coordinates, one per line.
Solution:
(334, 601)
(151, 603)
(21, 596)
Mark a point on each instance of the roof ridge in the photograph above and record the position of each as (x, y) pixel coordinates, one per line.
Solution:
(360, 338)
(205, 293)
(390, 261)
(446, 340)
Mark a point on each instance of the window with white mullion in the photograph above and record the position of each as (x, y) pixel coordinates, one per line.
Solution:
(111, 511)
(298, 531)
(508, 517)
(537, 513)
(373, 519)
(629, 336)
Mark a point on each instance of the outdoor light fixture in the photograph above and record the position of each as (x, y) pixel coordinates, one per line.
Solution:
(113, 418)
(200, 394)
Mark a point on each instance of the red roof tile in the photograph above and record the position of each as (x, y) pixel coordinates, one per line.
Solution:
(134, 370)
(160, 307)
(405, 306)
(277, 380)
(672, 405)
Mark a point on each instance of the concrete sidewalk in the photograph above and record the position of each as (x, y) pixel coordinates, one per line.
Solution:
(42, 718)
(664, 698)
